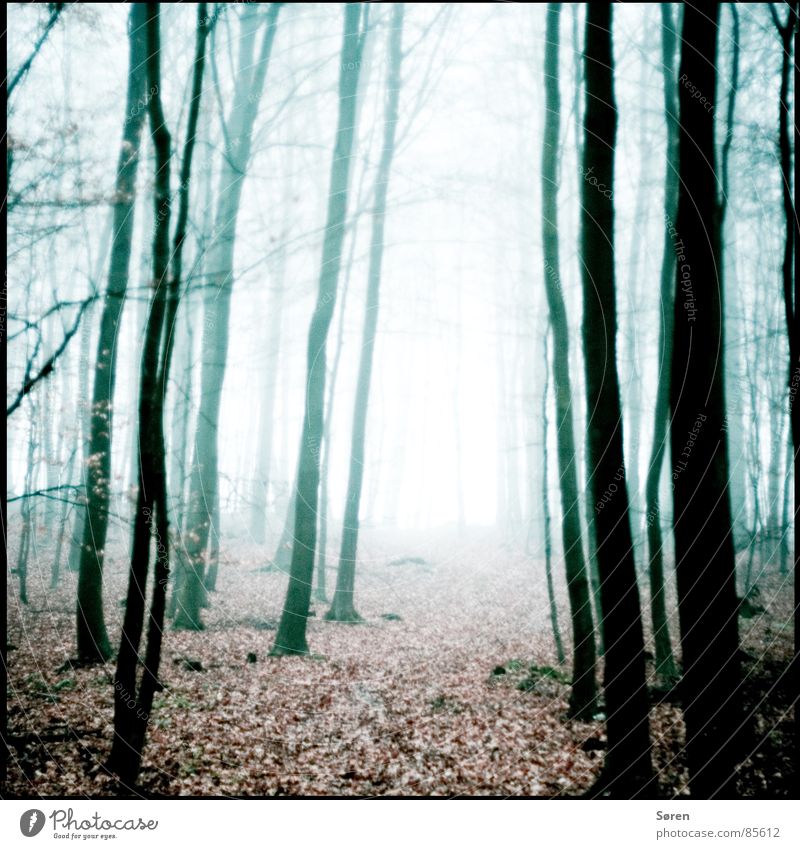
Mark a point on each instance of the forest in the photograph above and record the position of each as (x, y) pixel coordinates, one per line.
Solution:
(401, 400)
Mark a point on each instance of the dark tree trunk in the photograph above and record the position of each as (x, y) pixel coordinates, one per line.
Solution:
(93, 642)
(342, 608)
(787, 34)
(583, 699)
(702, 521)
(132, 705)
(665, 663)
(627, 770)
(291, 636)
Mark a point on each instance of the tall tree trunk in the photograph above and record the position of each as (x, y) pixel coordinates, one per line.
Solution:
(342, 608)
(291, 636)
(664, 660)
(93, 642)
(132, 704)
(204, 481)
(702, 521)
(588, 504)
(627, 770)
(320, 592)
(583, 699)
(787, 33)
(734, 363)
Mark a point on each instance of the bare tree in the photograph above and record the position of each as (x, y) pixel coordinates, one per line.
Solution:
(665, 663)
(291, 636)
(342, 608)
(702, 521)
(250, 80)
(132, 703)
(93, 642)
(627, 771)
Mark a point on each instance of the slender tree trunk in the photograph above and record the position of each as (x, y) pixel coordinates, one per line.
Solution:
(63, 524)
(342, 608)
(27, 510)
(786, 522)
(702, 521)
(588, 504)
(93, 642)
(627, 770)
(664, 660)
(787, 33)
(583, 700)
(132, 704)
(320, 593)
(734, 312)
(204, 479)
(291, 636)
(210, 578)
(548, 568)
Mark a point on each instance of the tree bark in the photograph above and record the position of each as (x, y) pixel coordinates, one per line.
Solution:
(203, 484)
(342, 608)
(702, 521)
(583, 699)
(664, 660)
(132, 704)
(548, 568)
(627, 770)
(291, 636)
(92, 636)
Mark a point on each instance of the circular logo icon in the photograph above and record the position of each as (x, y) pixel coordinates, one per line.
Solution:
(31, 822)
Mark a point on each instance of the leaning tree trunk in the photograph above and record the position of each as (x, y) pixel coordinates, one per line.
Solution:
(702, 521)
(291, 636)
(665, 663)
(627, 770)
(93, 642)
(342, 608)
(583, 698)
(132, 704)
(204, 479)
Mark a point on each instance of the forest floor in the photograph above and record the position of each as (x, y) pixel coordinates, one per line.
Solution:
(430, 695)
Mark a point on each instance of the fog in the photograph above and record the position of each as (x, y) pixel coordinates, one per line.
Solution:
(454, 437)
